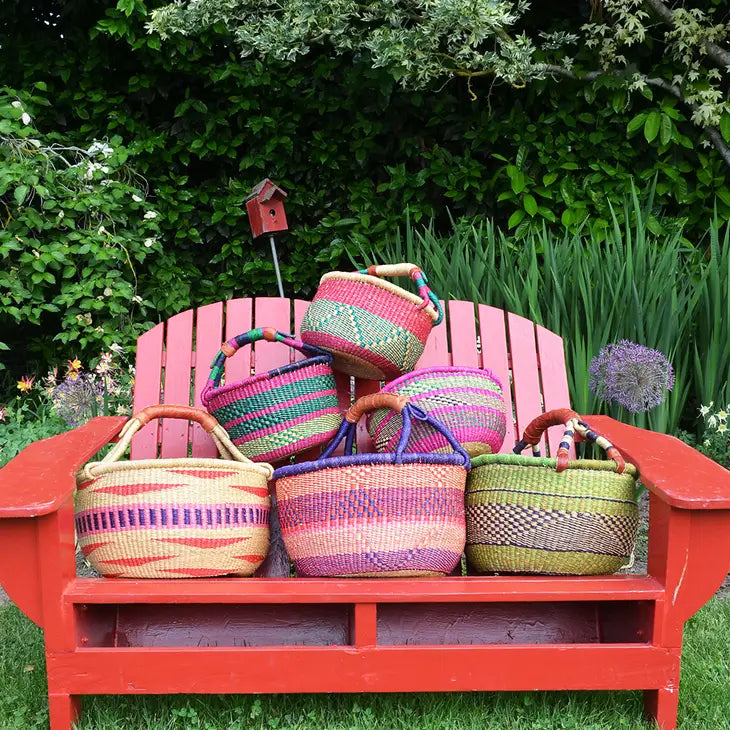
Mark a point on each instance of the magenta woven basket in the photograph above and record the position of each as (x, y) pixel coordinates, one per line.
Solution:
(274, 415)
(399, 514)
(374, 329)
(468, 401)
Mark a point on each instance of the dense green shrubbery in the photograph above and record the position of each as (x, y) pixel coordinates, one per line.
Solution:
(353, 150)
(76, 231)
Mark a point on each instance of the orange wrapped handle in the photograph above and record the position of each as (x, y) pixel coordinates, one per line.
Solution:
(171, 411)
(558, 417)
(371, 402)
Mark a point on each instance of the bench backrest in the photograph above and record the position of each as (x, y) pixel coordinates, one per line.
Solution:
(173, 363)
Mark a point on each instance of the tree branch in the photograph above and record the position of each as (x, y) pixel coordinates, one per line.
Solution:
(716, 53)
(713, 134)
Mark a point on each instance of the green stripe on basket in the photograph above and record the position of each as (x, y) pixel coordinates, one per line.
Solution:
(281, 415)
(544, 461)
(426, 384)
(265, 444)
(506, 558)
(280, 394)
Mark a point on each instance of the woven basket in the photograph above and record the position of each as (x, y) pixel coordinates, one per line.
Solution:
(375, 514)
(468, 401)
(277, 414)
(173, 518)
(526, 514)
(374, 329)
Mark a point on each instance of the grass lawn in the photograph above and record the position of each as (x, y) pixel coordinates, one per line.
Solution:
(704, 697)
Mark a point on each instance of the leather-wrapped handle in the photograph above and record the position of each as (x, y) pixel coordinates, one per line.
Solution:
(187, 413)
(371, 402)
(557, 417)
(392, 269)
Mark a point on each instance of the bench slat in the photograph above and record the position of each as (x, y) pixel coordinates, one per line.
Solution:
(462, 328)
(176, 390)
(493, 337)
(208, 337)
(147, 387)
(239, 316)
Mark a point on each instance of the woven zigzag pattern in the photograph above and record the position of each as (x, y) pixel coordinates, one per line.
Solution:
(523, 516)
(203, 517)
(374, 519)
(372, 332)
(273, 418)
(466, 400)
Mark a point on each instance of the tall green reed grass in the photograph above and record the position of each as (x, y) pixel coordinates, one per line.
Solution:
(658, 290)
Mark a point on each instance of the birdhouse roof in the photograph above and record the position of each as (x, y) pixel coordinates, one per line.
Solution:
(265, 190)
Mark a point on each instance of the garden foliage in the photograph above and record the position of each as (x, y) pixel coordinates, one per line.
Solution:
(354, 150)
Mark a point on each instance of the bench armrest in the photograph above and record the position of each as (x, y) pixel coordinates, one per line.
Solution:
(677, 473)
(43, 475)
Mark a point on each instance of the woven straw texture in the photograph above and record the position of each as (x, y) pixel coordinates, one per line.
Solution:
(523, 516)
(373, 331)
(374, 519)
(467, 400)
(275, 415)
(173, 518)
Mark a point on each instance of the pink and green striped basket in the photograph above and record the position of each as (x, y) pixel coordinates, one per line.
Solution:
(274, 415)
(469, 401)
(375, 329)
(374, 515)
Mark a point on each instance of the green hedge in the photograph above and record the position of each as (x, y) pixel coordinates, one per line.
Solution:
(353, 149)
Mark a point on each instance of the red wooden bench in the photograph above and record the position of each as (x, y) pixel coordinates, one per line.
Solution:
(282, 634)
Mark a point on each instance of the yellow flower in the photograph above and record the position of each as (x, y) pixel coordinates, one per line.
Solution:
(75, 364)
(722, 428)
(26, 383)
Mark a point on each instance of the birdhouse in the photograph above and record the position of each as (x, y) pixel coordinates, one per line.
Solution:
(265, 206)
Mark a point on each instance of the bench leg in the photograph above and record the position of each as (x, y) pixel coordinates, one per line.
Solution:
(660, 705)
(63, 711)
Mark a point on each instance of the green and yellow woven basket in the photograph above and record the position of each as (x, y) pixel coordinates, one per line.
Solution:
(527, 514)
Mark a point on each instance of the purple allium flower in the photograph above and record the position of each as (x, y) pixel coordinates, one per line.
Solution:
(77, 399)
(631, 375)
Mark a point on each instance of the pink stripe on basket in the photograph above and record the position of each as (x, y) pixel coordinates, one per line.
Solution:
(339, 344)
(381, 302)
(282, 425)
(273, 409)
(302, 445)
(439, 412)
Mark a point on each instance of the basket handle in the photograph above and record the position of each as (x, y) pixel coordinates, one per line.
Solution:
(229, 348)
(225, 446)
(573, 423)
(401, 405)
(418, 277)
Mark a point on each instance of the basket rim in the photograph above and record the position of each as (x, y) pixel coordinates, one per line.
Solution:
(448, 369)
(271, 374)
(387, 285)
(100, 469)
(343, 462)
(549, 462)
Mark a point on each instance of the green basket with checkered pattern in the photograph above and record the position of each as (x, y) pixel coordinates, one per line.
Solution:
(551, 516)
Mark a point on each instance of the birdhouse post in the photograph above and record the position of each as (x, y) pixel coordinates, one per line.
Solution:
(266, 215)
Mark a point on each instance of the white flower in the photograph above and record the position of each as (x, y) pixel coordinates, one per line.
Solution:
(114, 347)
(108, 292)
(722, 415)
(61, 215)
(712, 421)
(149, 242)
(704, 410)
(16, 105)
(707, 442)
(136, 198)
(103, 231)
(25, 118)
(722, 428)
(150, 214)
(137, 298)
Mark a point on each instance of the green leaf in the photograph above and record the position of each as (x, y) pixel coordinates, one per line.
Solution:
(666, 130)
(19, 193)
(567, 218)
(126, 6)
(636, 124)
(725, 127)
(530, 204)
(651, 126)
(515, 218)
(549, 179)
